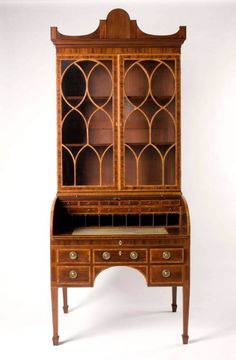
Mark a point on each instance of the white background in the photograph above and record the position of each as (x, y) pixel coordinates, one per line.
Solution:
(120, 317)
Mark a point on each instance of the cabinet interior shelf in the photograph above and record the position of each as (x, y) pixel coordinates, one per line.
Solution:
(149, 98)
(84, 144)
(166, 143)
(80, 97)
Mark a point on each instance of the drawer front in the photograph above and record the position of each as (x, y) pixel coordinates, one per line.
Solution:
(73, 256)
(129, 202)
(120, 256)
(77, 275)
(166, 274)
(119, 210)
(88, 203)
(167, 255)
(84, 210)
(159, 209)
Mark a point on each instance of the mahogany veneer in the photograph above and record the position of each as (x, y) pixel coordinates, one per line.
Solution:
(119, 199)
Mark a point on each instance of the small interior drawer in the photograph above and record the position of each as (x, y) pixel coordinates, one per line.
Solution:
(127, 255)
(117, 210)
(166, 274)
(79, 275)
(73, 255)
(167, 255)
(88, 203)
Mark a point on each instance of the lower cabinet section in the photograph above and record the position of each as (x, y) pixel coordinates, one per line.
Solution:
(76, 266)
(74, 275)
(166, 274)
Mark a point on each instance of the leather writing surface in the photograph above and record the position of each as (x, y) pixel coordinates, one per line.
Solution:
(120, 230)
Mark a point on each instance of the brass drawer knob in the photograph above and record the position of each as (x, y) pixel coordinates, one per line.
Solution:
(73, 274)
(166, 255)
(106, 255)
(73, 255)
(165, 273)
(133, 255)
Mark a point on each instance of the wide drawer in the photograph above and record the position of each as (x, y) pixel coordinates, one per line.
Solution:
(119, 256)
(73, 256)
(167, 255)
(166, 274)
(78, 275)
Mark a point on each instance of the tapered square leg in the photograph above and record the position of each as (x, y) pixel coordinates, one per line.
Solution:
(174, 298)
(186, 295)
(65, 303)
(54, 296)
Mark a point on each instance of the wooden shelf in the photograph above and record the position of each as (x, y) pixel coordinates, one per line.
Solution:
(154, 143)
(80, 97)
(160, 100)
(92, 144)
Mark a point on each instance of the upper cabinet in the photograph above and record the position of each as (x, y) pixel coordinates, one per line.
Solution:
(118, 109)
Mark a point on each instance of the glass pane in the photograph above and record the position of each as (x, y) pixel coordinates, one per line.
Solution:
(107, 168)
(163, 85)
(136, 84)
(130, 167)
(150, 167)
(74, 129)
(170, 175)
(68, 167)
(87, 168)
(73, 85)
(136, 129)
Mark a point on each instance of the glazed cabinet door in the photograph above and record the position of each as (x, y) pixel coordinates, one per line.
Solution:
(150, 130)
(87, 131)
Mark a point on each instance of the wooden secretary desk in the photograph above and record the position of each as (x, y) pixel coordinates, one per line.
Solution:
(119, 199)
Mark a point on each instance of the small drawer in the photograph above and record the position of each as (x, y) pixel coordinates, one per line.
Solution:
(88, 203)
(167, 255)
(149, 202)
(106, 203)
(171, 202)
(79, 275)
(150, 209)
(129, 202)
(120, 256)
(70, 203)
(166, 274)
(73, 255)
(86, 210)
(170, 209)
(115, 210)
